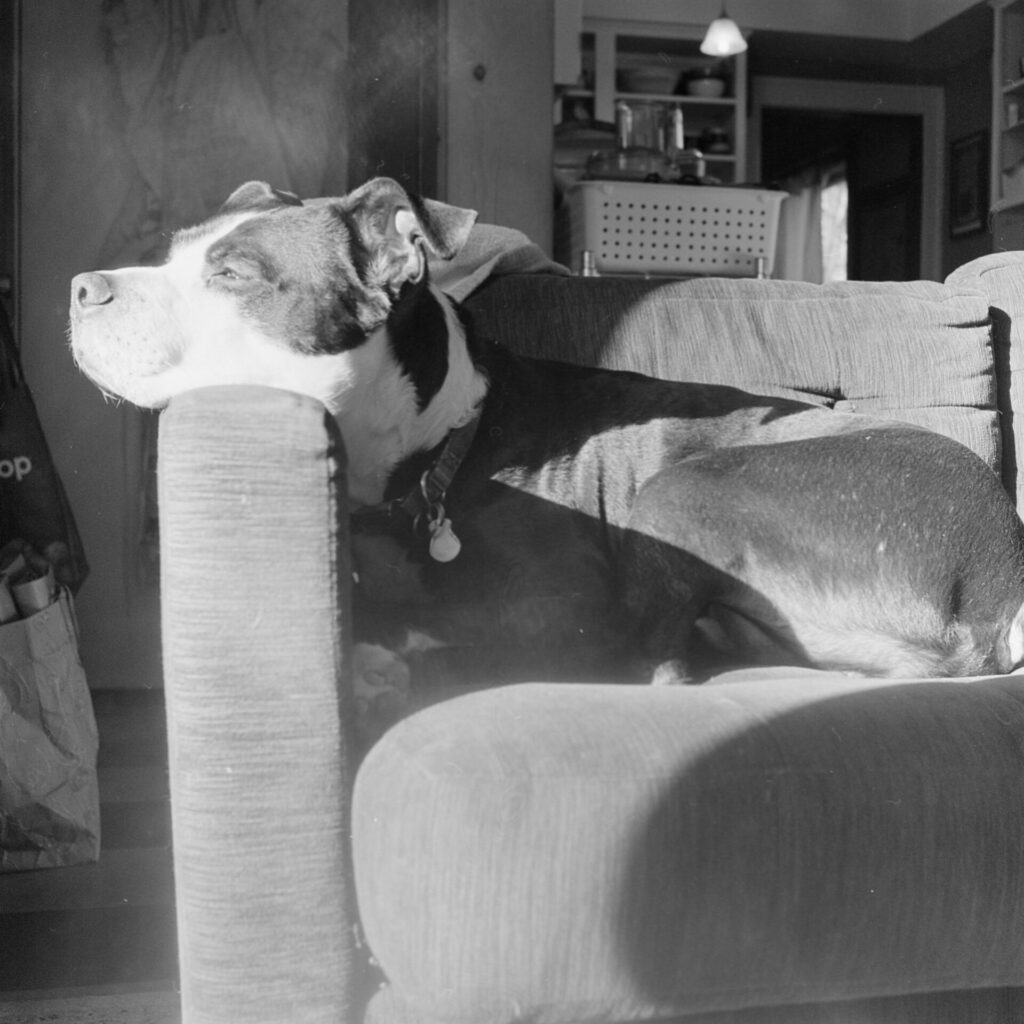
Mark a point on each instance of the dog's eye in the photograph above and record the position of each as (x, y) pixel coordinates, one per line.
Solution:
(229, 274)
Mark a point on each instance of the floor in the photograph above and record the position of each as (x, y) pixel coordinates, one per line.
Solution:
(96, 943)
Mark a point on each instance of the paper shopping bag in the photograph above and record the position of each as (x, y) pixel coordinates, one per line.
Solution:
(49, 793)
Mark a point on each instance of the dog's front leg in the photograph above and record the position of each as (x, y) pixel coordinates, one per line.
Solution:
(380, 681)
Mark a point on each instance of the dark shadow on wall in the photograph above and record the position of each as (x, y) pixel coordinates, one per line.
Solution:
(392, 89)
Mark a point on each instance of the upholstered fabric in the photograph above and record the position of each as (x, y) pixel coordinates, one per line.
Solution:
(573, 853)
(490, 251)
(915, 351)
(254, 575)
(1000, 277)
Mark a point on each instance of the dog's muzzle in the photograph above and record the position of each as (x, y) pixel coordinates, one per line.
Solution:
(89, 290)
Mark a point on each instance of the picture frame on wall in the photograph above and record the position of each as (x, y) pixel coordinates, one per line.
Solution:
(968, 184)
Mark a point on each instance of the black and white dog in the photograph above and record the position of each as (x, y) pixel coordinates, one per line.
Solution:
(518, 519)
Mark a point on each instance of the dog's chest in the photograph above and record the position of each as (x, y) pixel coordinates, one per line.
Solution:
(538, 526)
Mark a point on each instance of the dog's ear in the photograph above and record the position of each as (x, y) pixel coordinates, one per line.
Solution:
(258, 195)
(447, 227)
(399, 227)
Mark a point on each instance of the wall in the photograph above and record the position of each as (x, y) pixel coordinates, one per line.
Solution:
(72, 164)
(968, 110)
(877, 19)
(498, 147)
(76, 175)
(393, 91)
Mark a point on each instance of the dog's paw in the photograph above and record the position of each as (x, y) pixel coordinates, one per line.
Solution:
(673, 672)
(380, 679)
(382, 689)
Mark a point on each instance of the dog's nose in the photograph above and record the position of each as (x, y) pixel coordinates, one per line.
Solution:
(90, 289)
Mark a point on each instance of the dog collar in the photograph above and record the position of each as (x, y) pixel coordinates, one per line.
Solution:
(421, 512)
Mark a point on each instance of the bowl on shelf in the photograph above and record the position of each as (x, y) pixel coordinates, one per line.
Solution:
(707, 83)
(659, 80)
(715, 141)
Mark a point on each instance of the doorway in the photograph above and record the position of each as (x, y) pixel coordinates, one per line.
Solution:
(893, 203)
(877, 159)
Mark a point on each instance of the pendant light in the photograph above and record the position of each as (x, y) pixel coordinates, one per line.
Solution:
(724, 38)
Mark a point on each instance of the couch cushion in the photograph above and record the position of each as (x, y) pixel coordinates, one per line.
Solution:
(560, 852)
(917, 351)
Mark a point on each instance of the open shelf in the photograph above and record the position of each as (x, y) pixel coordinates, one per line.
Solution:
(611, 47)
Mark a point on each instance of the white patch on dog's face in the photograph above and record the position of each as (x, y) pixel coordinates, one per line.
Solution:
(164, 330)
(295, 296)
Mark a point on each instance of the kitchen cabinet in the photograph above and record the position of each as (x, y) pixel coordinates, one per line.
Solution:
(642, 63)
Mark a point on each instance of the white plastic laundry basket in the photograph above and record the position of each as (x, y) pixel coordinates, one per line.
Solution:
(640, 228)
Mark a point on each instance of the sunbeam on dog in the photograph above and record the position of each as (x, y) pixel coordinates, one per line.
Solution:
(522, 519)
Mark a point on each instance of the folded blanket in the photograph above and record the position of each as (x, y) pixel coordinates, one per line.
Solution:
(491, 251)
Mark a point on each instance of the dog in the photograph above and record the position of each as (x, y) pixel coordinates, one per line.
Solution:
(518, 519)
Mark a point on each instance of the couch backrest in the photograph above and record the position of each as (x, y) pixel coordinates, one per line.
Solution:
(917, 351)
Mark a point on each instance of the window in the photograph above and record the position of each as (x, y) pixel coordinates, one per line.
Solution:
(835, 203)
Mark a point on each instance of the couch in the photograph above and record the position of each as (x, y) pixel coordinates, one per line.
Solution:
(779, 845)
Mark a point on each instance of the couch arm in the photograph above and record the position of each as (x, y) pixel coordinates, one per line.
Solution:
(1000, 277)
(254, 590)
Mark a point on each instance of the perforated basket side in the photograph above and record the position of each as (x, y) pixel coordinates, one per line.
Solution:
(639, 228)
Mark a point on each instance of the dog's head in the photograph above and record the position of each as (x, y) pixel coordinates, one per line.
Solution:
(270, 290)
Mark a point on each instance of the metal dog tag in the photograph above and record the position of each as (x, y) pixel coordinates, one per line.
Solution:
(444, 545)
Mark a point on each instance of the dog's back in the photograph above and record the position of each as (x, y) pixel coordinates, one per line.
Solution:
(891, 553)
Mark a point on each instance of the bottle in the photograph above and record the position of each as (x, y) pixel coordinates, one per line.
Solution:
(687, 164)
(676, 135)
(623, 125)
